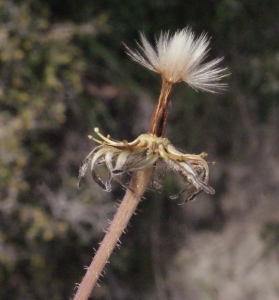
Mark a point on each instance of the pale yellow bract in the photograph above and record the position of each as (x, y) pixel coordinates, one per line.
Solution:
(147, 151)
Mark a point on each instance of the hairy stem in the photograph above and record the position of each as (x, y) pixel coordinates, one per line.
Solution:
(138, 184)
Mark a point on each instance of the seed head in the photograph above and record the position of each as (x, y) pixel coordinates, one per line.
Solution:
(180, 57)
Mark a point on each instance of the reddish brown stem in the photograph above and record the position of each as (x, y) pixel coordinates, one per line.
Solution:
(158, 120)
(138, 184)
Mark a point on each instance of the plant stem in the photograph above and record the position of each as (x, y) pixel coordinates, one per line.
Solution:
(158, 120)
(138, 184)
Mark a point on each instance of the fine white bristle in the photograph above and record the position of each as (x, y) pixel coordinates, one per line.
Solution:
(180, 57)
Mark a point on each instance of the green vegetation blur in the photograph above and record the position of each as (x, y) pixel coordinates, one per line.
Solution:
(63, 72)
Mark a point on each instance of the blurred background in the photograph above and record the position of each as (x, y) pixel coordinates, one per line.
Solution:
(64, 71)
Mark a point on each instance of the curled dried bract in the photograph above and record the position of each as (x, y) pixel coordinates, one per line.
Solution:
(145, 152)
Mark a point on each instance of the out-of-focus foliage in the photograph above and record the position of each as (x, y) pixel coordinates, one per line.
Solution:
(37, 62)
(41, 216)
(63, 72)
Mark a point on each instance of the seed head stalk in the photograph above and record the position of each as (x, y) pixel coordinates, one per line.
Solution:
(158, 120)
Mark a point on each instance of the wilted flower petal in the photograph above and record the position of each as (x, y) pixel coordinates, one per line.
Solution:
(148, 151)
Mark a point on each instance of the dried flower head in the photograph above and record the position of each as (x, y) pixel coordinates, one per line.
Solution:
(147, 151)
(180, 57)
(177, 57)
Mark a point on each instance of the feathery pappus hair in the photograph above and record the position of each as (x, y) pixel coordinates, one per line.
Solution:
(180, 57)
